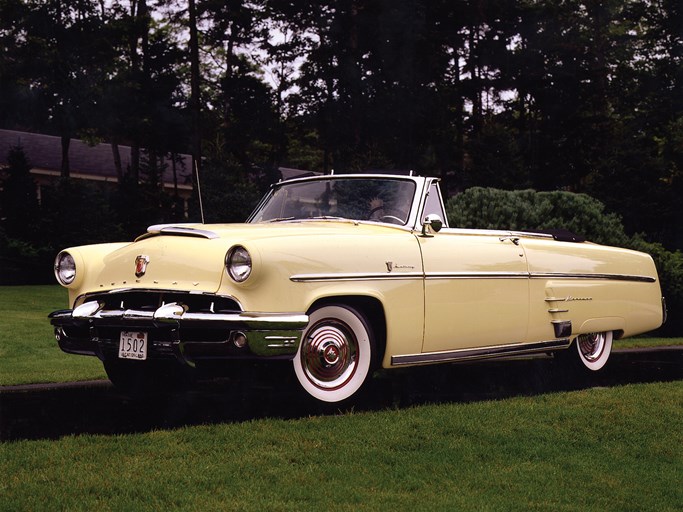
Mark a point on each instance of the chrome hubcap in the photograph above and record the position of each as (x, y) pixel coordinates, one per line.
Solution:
(591, 345)
(329, 355)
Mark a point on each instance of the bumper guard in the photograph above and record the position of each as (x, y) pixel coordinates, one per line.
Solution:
(180, 332)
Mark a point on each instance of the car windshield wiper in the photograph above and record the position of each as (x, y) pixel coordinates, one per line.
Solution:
(280, 219)
(317, 217)
(327, 217)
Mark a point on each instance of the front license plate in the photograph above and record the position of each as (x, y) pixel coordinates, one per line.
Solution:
(133, 345)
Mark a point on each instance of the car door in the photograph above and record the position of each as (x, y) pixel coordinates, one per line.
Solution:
(476, 290)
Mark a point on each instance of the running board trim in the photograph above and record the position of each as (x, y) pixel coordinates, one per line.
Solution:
(474, 354)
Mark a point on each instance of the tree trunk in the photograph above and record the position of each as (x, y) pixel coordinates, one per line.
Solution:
(65, 169)
(134, 171)
(355, 85)
(117, 160)
(195, 99)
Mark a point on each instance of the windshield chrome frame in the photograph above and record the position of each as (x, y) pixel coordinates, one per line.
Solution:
(422, 185)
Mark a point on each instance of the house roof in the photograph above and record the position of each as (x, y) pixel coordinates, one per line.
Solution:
(44, 153)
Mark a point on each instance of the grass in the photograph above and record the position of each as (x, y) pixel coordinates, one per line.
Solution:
(602, 449)
(646, 342)
(28, 350)
(613, 449)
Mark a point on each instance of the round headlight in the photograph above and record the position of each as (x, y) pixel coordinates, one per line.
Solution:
(65, 268)
(238, 263)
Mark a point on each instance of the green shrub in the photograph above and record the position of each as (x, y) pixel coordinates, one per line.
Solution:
(670, 268)
(519, 210)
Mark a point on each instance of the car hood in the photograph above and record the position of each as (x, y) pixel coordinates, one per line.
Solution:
(191, 257)
(269, 229)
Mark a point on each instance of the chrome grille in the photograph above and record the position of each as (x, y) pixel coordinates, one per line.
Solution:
(151, 300)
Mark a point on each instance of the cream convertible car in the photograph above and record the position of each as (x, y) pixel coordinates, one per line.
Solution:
(342, 274)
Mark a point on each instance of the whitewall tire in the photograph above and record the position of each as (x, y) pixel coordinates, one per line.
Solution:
(594, 349)
(336, 353)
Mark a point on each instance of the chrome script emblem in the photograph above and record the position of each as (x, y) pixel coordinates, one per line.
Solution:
(391, 266)
(141, 265)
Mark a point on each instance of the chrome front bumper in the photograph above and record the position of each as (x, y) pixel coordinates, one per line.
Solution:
(176, 332)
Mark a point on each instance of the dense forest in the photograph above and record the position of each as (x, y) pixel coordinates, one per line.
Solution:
(572, 95)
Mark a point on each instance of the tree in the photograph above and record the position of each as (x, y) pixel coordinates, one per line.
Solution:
(549, 94)
(19, 206)
(57, 67)
(641, 176)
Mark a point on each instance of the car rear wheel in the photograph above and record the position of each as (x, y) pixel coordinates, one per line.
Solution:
(587, 353)
(594, 349)
(336, 353)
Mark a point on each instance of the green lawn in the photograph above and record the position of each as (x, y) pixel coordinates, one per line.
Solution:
(28, 349)
(603, 449)
(646, 342)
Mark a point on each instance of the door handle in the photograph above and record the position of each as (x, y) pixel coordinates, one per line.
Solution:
(513, 239)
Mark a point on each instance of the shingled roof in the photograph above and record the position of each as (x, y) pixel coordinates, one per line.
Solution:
(44, 153)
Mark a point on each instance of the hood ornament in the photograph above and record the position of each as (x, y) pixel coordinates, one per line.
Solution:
(141, 262)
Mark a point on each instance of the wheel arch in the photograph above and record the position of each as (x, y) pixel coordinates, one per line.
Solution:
(371, 307)
(602, 324)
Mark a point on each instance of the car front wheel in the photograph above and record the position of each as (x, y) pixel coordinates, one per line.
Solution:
(336, 353)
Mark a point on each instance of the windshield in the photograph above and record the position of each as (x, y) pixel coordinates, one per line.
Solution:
(375, 199)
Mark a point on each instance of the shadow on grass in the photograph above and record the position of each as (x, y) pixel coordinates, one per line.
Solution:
(51, 412)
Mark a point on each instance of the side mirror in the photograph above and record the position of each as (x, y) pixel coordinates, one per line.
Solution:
(431, 225)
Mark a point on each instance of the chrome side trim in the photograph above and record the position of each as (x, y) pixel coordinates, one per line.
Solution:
(370, 276)
(474, 354)
(532, 234)
(611, 277)
(354, 276)
(477, 275)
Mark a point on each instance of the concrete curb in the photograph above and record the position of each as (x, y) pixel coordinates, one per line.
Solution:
(45, 386)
